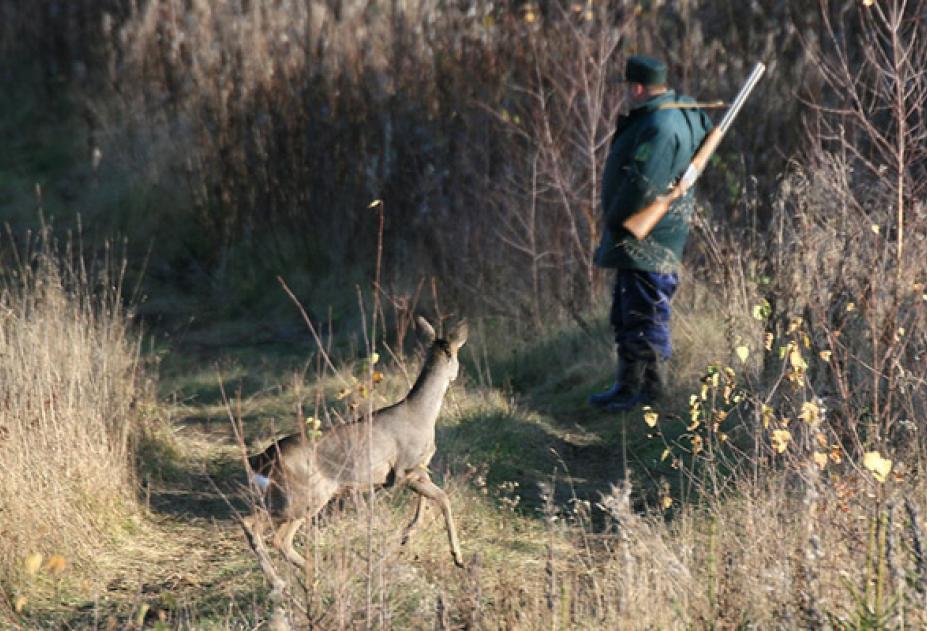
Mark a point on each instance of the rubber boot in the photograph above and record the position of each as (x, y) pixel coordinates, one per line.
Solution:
(601, 399)
(630, 394)
(654, 380)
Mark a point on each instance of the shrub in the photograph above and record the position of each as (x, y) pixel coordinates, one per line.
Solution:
(71, 400)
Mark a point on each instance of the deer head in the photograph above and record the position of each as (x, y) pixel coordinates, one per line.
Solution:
(445, 350)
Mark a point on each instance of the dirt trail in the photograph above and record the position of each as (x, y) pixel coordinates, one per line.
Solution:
(189, 566)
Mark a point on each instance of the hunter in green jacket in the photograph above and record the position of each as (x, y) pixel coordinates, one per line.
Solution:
(652, 146)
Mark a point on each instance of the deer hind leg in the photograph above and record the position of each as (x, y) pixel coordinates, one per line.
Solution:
(416, 519)
(253, 525)
(423, 485)
(283, 537)
(283, 541)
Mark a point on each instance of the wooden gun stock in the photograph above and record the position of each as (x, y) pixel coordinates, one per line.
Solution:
(641, 223)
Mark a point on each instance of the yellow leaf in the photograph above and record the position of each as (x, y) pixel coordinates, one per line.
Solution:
(836, 455)
(20, 603)
(56, 564)
(664, 455)
(768, 415)
(825, 355)
(743, 353)
(667, 502)
(375, 203)
(377, 376)
(875, 227)
(374, 358)
(695, 413)
(344, 393)
(794, 324)
(768, 341)
(695, 421)
(797, 361)
(780, 440)
(530, 16)
(868, 3)
(851, 306)
(696, 444)
(650, 417)
(879, 466)
(871, 459)
(761, 311)
(810, 413)
(140, 616)
(820, 459)
(32, 563)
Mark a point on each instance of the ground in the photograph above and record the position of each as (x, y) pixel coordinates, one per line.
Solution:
(188, 566)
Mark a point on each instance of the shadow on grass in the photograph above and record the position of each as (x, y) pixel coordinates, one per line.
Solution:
(507, 447)
(181, 486)
(231, 599)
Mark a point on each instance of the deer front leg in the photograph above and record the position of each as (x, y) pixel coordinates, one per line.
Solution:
(419, 510)
(423, 485)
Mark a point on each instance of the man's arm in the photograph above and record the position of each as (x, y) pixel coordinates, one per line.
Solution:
(646, 176)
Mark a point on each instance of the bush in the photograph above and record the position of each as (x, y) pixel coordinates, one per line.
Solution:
(72, 400)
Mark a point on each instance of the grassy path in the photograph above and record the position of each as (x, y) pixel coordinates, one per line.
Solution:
(188, 566)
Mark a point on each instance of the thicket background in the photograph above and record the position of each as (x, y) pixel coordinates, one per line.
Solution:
(241, 140)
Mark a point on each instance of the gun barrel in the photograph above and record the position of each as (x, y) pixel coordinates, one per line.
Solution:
(643, 221)
(745, 91)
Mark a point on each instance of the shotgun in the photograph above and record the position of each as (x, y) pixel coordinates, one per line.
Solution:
(643, 221)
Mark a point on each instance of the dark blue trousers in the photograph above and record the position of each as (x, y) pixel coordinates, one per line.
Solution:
(640, 314)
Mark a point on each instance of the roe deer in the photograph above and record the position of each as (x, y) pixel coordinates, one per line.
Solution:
(303, 475)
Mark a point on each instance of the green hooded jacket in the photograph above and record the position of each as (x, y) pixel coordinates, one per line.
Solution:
(650, 151)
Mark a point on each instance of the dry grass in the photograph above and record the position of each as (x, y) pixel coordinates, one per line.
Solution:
(72, 396)
(784, 550)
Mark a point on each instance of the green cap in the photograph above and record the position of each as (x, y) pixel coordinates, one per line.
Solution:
(645, 70)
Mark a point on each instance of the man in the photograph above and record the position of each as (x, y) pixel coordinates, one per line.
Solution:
(652, 146)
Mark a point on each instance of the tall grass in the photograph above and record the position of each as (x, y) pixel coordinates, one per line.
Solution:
(71, 397)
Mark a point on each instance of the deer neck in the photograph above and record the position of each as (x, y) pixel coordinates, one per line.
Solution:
(427, 394)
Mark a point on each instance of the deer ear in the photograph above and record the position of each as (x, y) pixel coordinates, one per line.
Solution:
(426, 328)
(458, 336)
